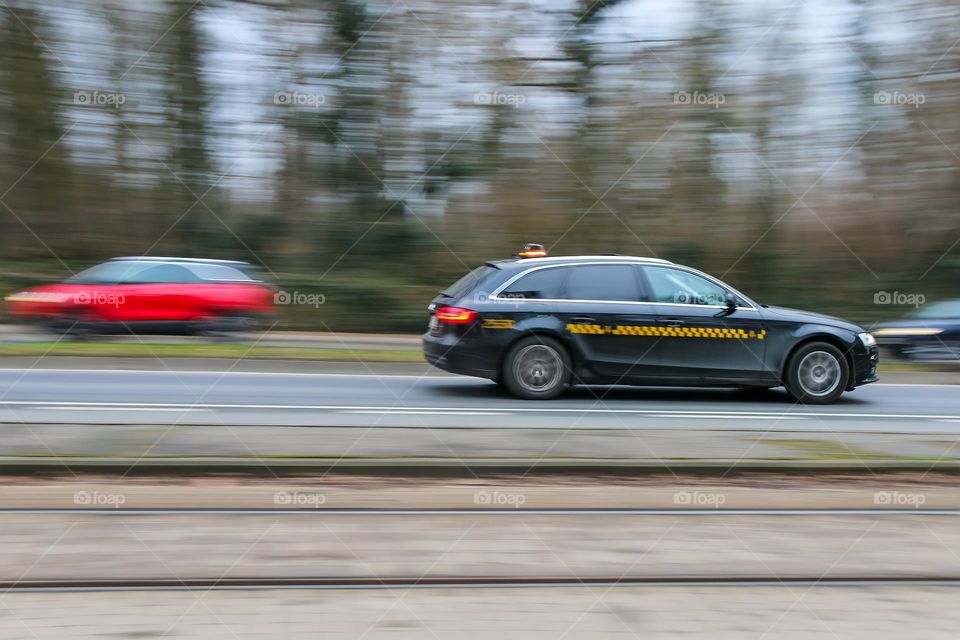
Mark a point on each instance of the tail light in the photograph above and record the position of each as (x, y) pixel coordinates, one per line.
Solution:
(455, 315)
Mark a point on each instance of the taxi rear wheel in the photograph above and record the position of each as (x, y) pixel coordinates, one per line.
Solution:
(817, 374)
(536, 368)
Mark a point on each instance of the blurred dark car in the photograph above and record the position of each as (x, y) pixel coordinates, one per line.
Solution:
(151, 295)
(932, 332)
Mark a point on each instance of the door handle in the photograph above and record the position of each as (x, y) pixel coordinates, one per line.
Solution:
(583, 320)
(671, 322)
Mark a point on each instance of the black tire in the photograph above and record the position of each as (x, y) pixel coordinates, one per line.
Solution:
(76, 326)
(817, 373)
(225, 327)
(536, 368)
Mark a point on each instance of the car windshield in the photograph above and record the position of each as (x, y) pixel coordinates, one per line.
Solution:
(945, 309)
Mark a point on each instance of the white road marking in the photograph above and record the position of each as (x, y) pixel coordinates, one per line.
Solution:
(914, 384)
(730, 417)
(78, 408)
(517, 409)
(438, 375)
(405, 412)
(372, 374)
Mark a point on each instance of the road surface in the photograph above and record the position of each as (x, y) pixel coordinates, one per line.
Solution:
(366, 399)
(73, 417)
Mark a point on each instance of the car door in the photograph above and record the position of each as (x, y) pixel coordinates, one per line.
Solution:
(162, 293)
(111, 287)
(604, 313)
(700, 340)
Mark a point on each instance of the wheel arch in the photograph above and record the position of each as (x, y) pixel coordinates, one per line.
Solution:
(565, 342)
(829, 338)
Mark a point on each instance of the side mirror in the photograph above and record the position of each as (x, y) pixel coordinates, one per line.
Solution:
(731, 303)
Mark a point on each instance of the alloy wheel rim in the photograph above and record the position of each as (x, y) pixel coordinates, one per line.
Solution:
(538, 367)
(819, 373)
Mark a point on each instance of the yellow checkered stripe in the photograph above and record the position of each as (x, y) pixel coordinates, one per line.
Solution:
(667, 332)
(498, 323)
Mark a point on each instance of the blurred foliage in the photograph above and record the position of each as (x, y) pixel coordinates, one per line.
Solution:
(374, 151)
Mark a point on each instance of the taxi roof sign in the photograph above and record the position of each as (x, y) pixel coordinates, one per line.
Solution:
(532, 250)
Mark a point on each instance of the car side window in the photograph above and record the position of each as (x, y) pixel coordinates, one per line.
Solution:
(163, 274)
(613, 282)
(675, 286)
(540, 284)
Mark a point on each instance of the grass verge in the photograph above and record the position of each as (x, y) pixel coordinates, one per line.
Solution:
(206, 350)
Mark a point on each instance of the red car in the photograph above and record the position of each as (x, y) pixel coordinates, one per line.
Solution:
(151, 295)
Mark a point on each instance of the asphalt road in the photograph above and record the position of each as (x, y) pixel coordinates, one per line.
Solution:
(364, 400)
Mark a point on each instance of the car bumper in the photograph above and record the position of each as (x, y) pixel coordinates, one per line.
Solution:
(865, 367)
(457, 354)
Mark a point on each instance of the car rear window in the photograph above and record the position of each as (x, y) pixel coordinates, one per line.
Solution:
(219, 272)
(602, 282)
(468, 282)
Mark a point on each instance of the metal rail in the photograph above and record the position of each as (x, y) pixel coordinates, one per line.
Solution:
(374, 511)
(464, 582)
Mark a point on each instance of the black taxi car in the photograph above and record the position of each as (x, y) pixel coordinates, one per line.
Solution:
(538, 324)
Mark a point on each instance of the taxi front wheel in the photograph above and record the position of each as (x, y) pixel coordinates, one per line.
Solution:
(536, 368)
(817, 374)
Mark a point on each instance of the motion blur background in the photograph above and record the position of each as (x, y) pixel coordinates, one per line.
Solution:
(372, 152)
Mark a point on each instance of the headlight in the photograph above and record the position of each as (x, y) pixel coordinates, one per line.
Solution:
(909, 331)
(867, 340)
(37, 296)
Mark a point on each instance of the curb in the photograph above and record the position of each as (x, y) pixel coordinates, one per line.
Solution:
(461, 467)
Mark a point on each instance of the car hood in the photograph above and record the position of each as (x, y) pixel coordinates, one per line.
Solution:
(796, 315)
